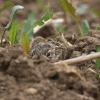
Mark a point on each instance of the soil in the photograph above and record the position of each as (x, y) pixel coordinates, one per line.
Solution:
(23, 78)
(36, 77)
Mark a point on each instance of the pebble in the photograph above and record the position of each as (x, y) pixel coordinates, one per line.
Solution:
(31, 91)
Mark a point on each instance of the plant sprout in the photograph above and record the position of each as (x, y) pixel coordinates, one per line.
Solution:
(12, 17)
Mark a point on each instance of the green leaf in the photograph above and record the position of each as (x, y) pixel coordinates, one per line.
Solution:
(98, 75)
(98, 27)
(98, 60)
(29, 24)
(25, 42)
(13, 14)
(47, 15)
(60, 28)
(85, 27)
(12, 36)
(68, 8)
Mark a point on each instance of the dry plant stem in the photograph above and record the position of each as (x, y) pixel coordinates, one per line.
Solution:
(66, 43)
(3, 36)
(65, 18)
(80, 59)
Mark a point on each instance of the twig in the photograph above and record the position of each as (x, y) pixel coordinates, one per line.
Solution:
(2, 37)
(66, 43)
(80, 59)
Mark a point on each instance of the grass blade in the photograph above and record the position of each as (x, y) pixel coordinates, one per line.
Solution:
(84, 27)
(25, 42)
(98, 60)
(12, 36)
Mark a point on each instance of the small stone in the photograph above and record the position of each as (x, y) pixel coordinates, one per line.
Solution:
(31, 91)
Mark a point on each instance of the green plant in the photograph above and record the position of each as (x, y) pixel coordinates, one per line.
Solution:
(12, 36)
(27, 33)
(85, 28)
(48, 13)
(27, 29)
(60, 28)
(29, 24)
(98, 27)
(25, 42)
(98, 75)
(12, 17)
(68, 8)
(46, 16)
(98, 60)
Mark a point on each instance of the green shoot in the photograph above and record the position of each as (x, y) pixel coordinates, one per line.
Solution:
(98, 60)
(12, 36)
(60, 28)
(12, 17)
(68, 8)
(27, 30)
(31, 21)
(47, 15)
(98, 27)
(98, 75)
(85, 28)
(13, 14)
(29, 24)
(25, 42)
